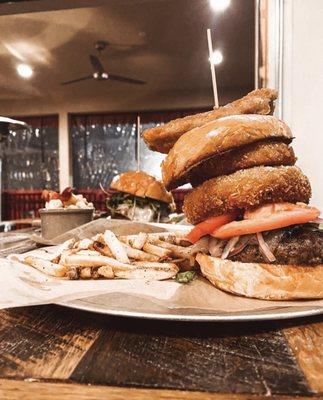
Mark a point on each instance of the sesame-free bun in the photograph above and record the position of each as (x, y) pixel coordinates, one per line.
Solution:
(214, 139)
(140, 184)
(263, 281)
(246, 189)
(163, 137)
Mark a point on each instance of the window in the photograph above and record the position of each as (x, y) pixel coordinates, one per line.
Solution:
(30, 159)
(104, 145)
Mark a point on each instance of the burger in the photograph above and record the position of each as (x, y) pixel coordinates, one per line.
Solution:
(250, 203)
(138, 196)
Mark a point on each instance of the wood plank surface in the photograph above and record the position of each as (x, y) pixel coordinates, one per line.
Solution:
(306, 341)
(213, 362)
(17, 390)
(238, 358)
(52, 342)
(36, 343)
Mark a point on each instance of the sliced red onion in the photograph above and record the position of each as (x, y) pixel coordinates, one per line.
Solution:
(242, 243)
(253, 239)
(229, 246)
(216, 246)
(201, 246)
(318, 221)
(265, 248)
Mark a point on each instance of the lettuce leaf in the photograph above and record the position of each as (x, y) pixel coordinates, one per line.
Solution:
(130, 200)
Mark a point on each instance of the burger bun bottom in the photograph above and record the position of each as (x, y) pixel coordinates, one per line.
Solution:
(263, 281)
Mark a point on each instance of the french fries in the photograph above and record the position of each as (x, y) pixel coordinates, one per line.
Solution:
(132, 239)
(86, 273)
(177, 251)
(174, 238)
(116, 247)
(136, 254)
(88, 252)
(102, 249)
(162, 253)
(144, 256)
(46, 266)
(139, 241)
(148, 271)
(106, 271)
(83, 244)
(72, 273)
(80, 260)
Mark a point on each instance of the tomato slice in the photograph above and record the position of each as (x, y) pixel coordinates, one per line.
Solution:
(276, 220)
(271, 208)
(209, 225)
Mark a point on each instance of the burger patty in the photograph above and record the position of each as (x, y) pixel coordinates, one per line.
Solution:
(293, 246)
(270, 152)
(244, 190)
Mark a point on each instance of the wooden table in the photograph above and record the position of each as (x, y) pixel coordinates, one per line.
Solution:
(53, 352)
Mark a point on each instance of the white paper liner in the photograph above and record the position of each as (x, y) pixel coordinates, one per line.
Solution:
(22, 285)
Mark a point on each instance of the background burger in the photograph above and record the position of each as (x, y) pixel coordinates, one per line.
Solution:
(139, 197)
(250, 203)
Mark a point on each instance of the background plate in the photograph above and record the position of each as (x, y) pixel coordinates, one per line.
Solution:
(131, 306)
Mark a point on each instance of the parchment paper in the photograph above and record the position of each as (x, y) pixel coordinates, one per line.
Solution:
(21, 285)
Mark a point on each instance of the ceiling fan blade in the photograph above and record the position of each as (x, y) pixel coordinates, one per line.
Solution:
(123, 45)
(125, 79)
(84, 78)
(96, 64)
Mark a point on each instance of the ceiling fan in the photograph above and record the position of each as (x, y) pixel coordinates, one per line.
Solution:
(99, 73)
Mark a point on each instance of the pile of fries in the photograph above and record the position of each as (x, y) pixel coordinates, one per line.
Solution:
(156, 256)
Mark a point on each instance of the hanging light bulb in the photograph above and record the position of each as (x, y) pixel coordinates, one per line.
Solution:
(25, 71)
(216, 57)
(219, 5)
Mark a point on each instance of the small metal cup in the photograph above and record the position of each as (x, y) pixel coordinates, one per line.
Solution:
(58, 221)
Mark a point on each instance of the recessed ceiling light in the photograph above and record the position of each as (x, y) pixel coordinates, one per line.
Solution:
(216, 57)
(219, 5)
(25, 71)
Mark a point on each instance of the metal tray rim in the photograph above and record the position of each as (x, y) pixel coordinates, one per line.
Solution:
(262, 315)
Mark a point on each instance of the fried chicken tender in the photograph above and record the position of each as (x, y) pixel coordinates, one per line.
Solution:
(216, 138)
(267, 153)
(162, 138)
(246, 189)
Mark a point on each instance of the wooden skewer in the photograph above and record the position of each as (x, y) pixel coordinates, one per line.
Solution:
(256, 78)
(138, 159)
(138, 143)
(212, 66)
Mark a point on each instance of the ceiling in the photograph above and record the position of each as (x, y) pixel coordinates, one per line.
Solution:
(160, 41)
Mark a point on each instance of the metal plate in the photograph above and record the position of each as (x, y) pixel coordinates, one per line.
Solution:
(127, 305)
(131, 306)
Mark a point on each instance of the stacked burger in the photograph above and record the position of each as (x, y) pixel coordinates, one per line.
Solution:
(250, 204)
